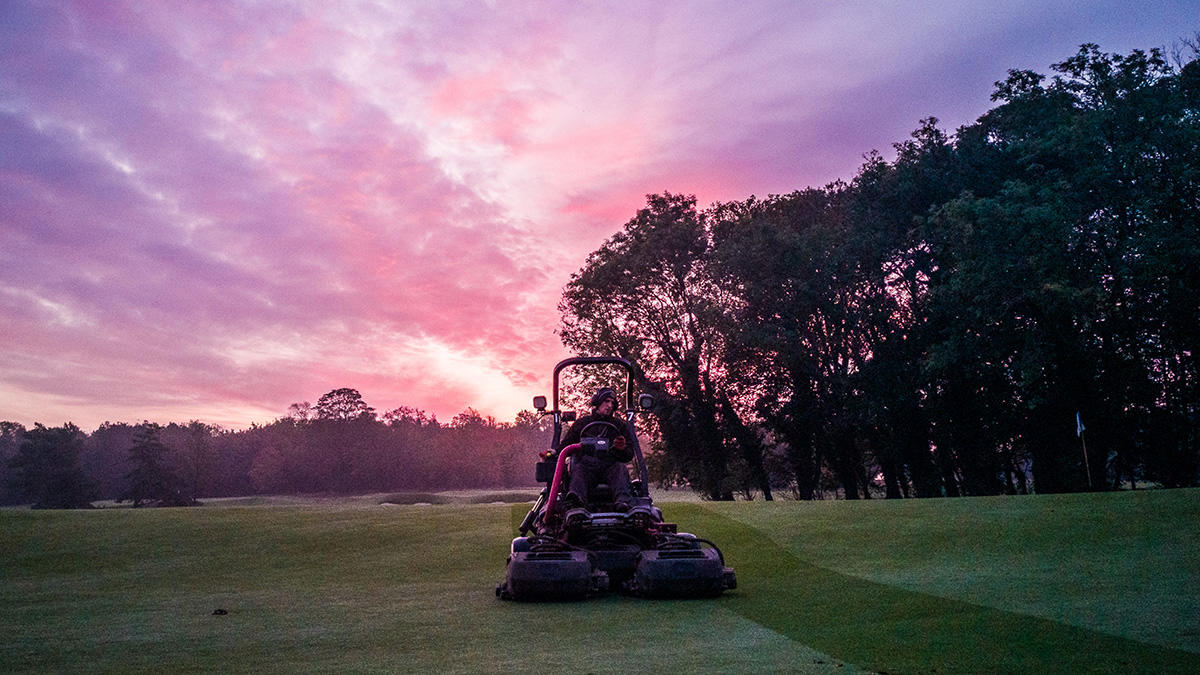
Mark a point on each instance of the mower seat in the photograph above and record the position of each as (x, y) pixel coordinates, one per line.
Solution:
(600, 494)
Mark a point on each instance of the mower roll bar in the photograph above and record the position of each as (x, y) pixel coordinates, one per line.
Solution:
(597, 360)
(584, 360)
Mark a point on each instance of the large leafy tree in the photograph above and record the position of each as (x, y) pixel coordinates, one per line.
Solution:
(151, 481)
(46, 472)
(11, 434)
(810, 303)
(647, 295)
(1055, 289)
(884, 205)
(198, 452)
(1005, 360)
(343, 404)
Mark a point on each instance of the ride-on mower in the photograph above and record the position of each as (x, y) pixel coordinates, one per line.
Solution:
(604, 546)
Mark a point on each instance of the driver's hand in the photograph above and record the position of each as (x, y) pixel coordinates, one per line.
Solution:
(619, 443)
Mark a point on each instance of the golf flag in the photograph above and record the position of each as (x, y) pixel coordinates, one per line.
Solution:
(1078, 425)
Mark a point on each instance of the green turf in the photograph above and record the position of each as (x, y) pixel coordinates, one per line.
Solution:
(889, 628)
(1100, 583)
(348, 588)
(1121, 563)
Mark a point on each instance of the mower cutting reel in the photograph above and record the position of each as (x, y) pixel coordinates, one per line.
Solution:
(588, 550)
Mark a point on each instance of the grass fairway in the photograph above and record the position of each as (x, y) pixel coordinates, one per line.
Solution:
(1079, 583)
(1073, 582)
(336, 588)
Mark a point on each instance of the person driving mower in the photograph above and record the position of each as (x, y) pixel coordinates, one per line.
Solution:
(591, 469)
(583, 553)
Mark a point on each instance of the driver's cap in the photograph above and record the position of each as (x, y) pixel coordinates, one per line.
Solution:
(603, 393)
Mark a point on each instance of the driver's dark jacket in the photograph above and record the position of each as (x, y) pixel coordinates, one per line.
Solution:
(602, 431)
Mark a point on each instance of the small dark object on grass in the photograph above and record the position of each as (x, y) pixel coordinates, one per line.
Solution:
(219, 612)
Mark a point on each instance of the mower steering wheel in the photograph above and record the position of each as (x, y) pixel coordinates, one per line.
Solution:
(583, 432)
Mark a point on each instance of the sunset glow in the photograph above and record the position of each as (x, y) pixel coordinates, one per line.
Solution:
(213, 210)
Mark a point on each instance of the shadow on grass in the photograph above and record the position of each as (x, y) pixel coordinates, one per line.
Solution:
(888, 629)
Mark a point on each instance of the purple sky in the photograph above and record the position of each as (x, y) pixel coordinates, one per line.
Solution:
(211, 210)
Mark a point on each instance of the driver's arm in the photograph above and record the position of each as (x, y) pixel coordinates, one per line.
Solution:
(572, 435)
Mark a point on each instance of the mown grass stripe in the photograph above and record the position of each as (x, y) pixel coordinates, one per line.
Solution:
(517, 516)
(885, 628)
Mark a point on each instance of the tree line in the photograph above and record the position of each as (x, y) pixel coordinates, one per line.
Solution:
(963, 320)
(338, 446)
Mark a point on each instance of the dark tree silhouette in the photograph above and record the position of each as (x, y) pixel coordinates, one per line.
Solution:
(46, 472)
(11, 434)
(647, 295)
(150, 481)
(341, 404)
